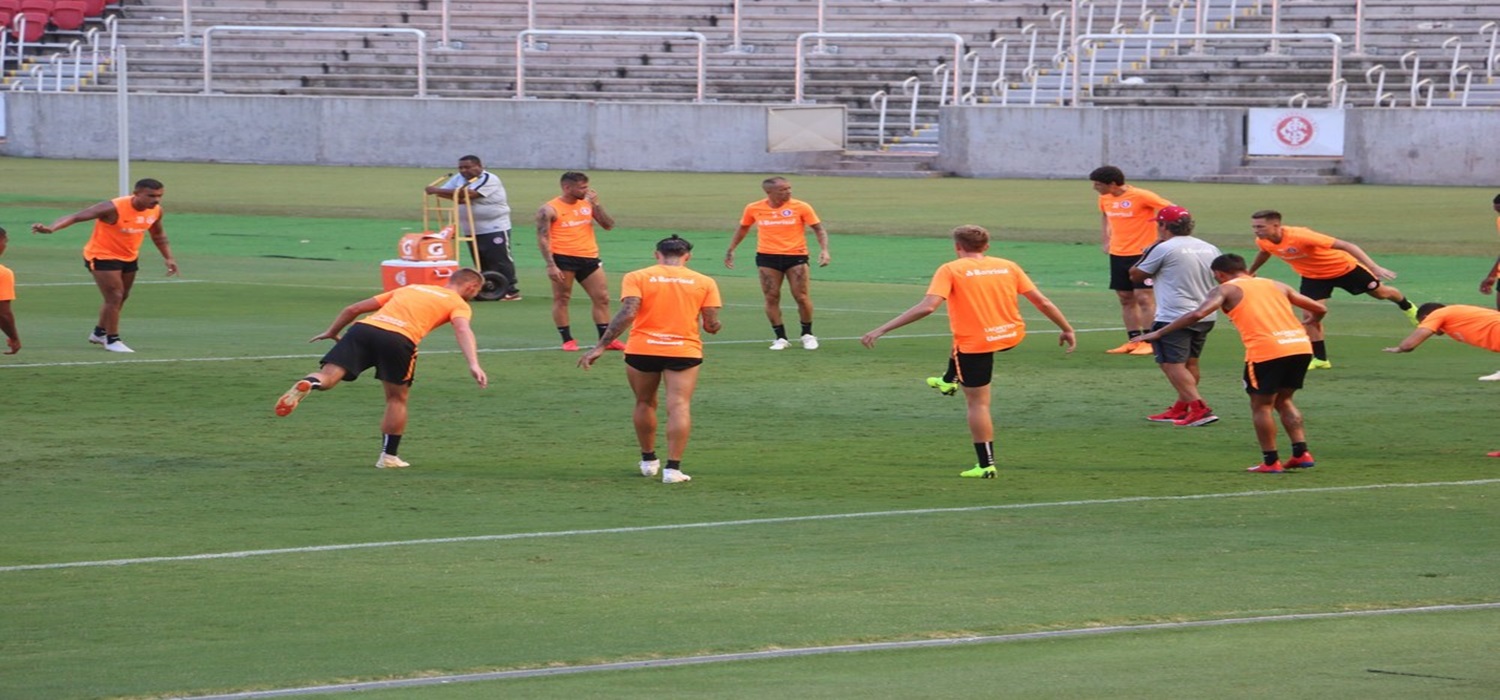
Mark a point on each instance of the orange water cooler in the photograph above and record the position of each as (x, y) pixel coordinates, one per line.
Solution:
(399, 273)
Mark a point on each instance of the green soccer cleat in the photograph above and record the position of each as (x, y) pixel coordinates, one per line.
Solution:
(978, 472)
(1320, 364)
(944, 388)
(1411, 314)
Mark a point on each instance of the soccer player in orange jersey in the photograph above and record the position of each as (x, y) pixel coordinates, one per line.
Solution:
(1473, 325)
(1127, 227)
(663, 306)
(1276, 352)
(387, 340)
(7, 295)
(565, 235)
(983, 312)
(781, 225)
(1324, 262)
(113, 251)
(1487, 285)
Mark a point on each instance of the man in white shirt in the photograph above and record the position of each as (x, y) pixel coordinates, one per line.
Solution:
(491, 213)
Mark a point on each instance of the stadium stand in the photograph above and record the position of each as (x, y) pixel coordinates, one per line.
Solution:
(1394, 54)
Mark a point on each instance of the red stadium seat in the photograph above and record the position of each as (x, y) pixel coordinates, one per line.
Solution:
(37, 14)
(68, 15)
(94, 8)
(8, 11)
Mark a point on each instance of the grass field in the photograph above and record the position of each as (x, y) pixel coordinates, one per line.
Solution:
(168, 536)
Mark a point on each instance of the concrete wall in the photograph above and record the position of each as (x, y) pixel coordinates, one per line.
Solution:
(1382, 146)
(1387, 146)
(403, 132)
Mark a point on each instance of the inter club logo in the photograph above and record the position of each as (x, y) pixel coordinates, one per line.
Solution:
(1295, 131)
(786, 212)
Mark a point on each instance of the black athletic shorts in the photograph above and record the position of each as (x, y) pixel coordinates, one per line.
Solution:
(781, 263)
(657, 364)
(1119, 273)
(1276, 375)
(102, 265)
(1356, 281)
(1180, 345)
(363, 346)
(580, 267)
(972, 369)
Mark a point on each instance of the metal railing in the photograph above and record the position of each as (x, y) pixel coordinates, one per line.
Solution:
(524, 38)
(220, 29)
(1337, 46)
(958, 52)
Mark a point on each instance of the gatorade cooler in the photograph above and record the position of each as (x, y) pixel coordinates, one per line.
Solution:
(426, 246)
(399, 273)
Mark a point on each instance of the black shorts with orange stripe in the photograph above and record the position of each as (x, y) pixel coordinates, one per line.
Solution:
(1276, 375)
(104, 265)
(363, 346)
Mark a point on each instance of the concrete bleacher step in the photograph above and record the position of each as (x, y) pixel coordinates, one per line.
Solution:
(883, 164)
(1284, 171)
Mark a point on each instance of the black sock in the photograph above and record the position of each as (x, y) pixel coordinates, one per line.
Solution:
(985, 451)
(780, 331)
(648, 456)
(807, 328)
(1132, 334)
(674, 464)
(314, 381)
(1271, 456)
(951, 375)
(112, 338)
(566, 333)
(1299, 449)
(98, 330)
(1403, 304)
(1320, 349)
(391, 444)
(601, 327)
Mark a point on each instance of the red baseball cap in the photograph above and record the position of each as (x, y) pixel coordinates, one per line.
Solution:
(1170, 215)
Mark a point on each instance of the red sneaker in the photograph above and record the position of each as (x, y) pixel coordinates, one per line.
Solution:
(615, 345)
(1272, 468)
(1303, 462)
(1496, 453)
(570, 346)
(1198, 413)
(1171, 415)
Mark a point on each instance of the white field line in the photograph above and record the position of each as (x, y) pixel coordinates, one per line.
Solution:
(832, 649)
(722, 523)
(90, 283)
(548, 348)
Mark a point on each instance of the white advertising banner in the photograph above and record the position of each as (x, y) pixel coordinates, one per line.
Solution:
(1296, 132)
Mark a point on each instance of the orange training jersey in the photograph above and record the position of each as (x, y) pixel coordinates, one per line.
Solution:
(416, 309)
(982, 307)
(122, 239)
(572, 232)
(1132, 219)
(1474, 325)
(1310, 253)
(672, 297)
(782, 230)
(7, 284)
(1266, 322)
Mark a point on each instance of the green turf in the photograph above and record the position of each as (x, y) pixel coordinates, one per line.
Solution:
(174, 452)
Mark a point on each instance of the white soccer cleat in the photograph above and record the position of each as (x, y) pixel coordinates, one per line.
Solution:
(780, 344)
(651, 467)
(97, 338)
(673, 476)
(1490, 377)
(390, 462)
(809, 342)
(117, 346)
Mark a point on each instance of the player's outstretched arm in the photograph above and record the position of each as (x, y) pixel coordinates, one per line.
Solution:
(1364, 259)
(921, 310)
(102, 210)
(1068, 339)
(345, 318)
(617, 327)
(1210, 304)
(463, 332)
(1411, 342)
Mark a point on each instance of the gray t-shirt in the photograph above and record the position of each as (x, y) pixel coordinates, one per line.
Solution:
(1179, 266)
(491, 210)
